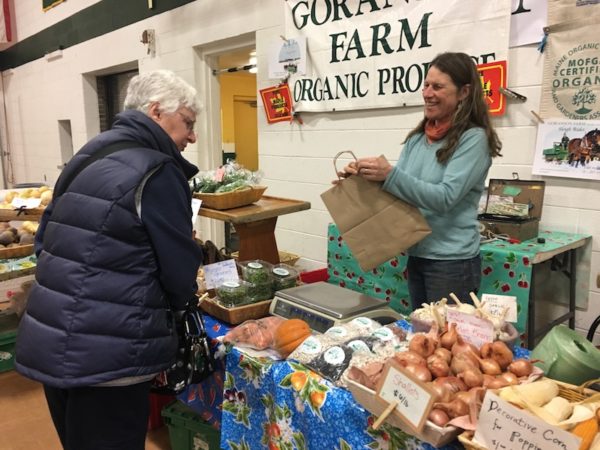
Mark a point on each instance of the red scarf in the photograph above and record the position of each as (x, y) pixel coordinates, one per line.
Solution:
(435, 132)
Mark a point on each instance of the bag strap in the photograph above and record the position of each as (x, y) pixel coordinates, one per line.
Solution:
(112, 148)
(335, 158)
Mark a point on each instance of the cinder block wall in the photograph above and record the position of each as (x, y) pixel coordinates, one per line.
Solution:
(296, 159)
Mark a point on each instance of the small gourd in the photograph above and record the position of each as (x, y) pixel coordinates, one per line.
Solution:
(289, 335)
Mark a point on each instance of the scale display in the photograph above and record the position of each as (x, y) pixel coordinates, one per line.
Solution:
(290, 311)
(323, 305)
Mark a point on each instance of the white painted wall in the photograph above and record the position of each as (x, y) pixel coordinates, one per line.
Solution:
(296, 159)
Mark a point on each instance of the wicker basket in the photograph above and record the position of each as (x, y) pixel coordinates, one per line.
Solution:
(238, 314)
(565, 390)
(235, 199)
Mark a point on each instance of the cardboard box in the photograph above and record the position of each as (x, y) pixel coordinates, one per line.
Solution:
(528, 192)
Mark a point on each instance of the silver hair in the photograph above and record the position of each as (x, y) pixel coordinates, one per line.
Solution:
(163, 87)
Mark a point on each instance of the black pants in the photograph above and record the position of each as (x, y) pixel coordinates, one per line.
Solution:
(100, 418)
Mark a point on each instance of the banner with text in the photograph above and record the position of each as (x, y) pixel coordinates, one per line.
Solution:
(375, 54)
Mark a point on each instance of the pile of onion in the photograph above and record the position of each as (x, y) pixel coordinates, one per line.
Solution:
(458, 372)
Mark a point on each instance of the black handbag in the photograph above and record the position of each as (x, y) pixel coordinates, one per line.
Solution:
(194, 360)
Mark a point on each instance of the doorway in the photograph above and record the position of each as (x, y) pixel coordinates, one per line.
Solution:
(228, 124)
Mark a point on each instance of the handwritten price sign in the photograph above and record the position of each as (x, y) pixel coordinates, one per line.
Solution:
(413, 399)
(501, 426)
(473, 329)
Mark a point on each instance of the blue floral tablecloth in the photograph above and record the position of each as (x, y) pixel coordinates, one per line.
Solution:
(283, 405)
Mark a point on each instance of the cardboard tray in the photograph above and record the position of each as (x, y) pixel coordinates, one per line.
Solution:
(228, 200)
(431, 433)
(238, 314)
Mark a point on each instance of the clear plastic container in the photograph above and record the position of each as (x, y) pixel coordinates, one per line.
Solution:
(256, 271)
(233, 293)
(260, 291)
(284, 277)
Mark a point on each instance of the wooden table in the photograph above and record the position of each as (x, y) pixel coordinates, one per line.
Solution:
(255, 225)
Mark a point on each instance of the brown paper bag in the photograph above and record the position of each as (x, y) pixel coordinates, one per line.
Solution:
(375, 224)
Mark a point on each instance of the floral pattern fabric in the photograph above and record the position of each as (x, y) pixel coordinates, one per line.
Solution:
(285, 406)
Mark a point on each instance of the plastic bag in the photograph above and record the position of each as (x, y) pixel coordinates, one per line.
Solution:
(257, 334)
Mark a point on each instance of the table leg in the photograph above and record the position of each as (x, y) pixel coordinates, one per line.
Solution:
(257, 240)
(531, 312)
(572, 287)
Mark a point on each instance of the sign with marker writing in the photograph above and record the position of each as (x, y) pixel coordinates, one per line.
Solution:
(497, 304)
(217, 273)
(414, 400)
(26, 203)
(473, 329)
(501, 426)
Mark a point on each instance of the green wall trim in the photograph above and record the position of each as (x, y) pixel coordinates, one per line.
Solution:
(100, 18)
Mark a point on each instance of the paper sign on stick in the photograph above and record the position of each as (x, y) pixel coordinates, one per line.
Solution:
(414, 399)
(27, 203)
(502, 426)
(496, 304)
(196, 204)
(473, 329)
(217, 273)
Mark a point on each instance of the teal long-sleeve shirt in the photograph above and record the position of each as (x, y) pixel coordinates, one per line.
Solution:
(446, 194)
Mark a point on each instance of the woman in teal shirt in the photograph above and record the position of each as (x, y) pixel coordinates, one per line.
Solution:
(442, 171)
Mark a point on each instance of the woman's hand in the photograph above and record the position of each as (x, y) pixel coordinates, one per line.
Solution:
(375, 168)
(348, 170)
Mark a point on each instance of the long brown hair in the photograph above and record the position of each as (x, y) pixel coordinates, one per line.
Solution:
(471, 112)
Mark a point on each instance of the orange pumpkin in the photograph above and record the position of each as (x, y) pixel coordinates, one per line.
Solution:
(289, 335)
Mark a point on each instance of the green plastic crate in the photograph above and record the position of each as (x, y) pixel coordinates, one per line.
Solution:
(187, 431)
(8, 336)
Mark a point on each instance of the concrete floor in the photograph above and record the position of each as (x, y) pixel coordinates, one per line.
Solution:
(25, 422)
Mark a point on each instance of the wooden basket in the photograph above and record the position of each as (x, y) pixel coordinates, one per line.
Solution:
(238, 314)
(16, 252)
(565, 390)
(284, 257)
(466, 439)
(235, 199)
(33, 214)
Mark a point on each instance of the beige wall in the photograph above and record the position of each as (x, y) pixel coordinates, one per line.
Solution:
(296, 159)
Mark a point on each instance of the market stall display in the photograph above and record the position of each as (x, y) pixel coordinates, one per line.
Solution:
(24, 204)
(507, 269)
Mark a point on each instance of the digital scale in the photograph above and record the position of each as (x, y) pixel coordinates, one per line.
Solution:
(323, 305)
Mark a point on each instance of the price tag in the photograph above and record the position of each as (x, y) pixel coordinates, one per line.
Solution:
(473, 329)
(217, 273)
(27, 203)
(501, 426)
(414, 399)
(496, 304)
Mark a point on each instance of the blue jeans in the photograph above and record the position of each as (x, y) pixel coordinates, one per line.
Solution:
(429, 280)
